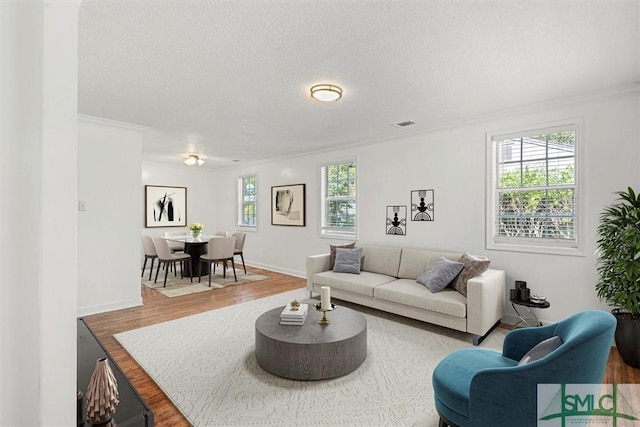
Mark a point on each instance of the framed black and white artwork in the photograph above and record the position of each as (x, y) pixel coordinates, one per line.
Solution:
(396, 220)
(288, 205)
(422, 205)
(165, 206)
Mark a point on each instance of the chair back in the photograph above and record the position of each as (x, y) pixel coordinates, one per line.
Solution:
(221, 247)
(222, 233)
(148, 246)
(162, 248)
(587, 338)
(239, 241)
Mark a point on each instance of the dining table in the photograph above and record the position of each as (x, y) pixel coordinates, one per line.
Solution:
(194, 246)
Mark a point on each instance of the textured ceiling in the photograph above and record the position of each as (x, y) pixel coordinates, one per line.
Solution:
(230, 79)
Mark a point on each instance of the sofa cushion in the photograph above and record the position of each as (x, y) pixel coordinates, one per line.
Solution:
(362, 283)
(348, 260)
(473, 266)
(414, 262)
(411, 293)
(440, 274)
(332, 252)
(381, 260)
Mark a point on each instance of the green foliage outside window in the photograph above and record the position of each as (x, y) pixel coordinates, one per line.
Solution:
(340, 196)
(535, 199)
(248, 216)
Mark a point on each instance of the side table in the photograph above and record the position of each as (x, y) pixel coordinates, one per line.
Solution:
(530, 319)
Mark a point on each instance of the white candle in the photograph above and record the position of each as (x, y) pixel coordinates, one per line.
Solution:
(325, 300)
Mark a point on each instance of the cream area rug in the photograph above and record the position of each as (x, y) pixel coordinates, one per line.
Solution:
(205, 363)
(177, 286)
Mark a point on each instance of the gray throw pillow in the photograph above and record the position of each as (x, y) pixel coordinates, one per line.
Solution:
(440, 274)
(332, 252)
(540, 350)
(348, 261)
(473, 266)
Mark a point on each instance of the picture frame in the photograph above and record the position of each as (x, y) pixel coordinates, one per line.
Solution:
(396, 220)
(288, 205)
(165, 206)
(422, 205)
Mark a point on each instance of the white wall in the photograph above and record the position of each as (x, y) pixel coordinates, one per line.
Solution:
(37, 215)
(109, 168)
(452, 162)
(202, 194)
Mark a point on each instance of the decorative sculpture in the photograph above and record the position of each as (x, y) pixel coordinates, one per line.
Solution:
(102, 394)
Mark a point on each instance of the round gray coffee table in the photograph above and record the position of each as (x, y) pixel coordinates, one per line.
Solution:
(312, 351)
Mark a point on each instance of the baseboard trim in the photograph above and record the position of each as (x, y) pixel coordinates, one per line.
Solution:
(87, 311)
(294, 273)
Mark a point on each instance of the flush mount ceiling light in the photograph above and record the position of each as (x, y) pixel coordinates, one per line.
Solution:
(193, 159)
(325, 92)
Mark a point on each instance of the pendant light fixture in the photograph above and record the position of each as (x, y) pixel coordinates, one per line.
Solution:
(193, 159)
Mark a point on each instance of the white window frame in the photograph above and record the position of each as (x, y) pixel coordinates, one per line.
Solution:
(534, 245)
(325, 231)
(241, 203)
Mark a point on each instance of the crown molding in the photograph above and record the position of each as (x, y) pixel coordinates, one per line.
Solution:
(112, 123)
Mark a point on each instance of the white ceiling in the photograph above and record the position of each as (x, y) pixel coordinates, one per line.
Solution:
(230, 79)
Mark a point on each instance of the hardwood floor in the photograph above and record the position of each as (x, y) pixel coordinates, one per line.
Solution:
(158, 308)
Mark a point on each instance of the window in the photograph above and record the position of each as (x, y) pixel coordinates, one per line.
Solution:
(338, 204)
(247, 201)
(533, 194)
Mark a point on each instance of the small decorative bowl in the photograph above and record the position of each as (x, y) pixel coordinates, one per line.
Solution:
(318, 307)
(538, 299)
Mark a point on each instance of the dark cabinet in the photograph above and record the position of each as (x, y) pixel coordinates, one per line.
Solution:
(132, 409)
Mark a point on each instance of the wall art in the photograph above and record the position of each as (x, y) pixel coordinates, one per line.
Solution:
(288, 205)
(422, 205)
(165, 206)
(397, 220)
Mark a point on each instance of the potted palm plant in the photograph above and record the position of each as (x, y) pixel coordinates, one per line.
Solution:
(619, 270)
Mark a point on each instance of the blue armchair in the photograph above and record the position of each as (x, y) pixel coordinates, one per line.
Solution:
(479, 387)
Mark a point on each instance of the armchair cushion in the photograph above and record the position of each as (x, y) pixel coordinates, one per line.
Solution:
(540, 350)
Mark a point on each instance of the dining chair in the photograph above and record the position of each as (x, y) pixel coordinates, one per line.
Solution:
(176, 246)
(149, 253)
(168, 259)
(222, 233)
(219, 249)
(240, 237)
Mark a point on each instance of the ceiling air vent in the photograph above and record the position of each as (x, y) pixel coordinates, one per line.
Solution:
(405, 124)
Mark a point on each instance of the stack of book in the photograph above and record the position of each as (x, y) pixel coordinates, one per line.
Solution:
(289, 316)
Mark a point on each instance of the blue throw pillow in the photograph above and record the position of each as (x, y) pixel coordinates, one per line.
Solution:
(348, 261)
(540, 350)
(440, 274)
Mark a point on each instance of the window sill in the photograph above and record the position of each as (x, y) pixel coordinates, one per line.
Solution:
(339, 236)
(546, 250)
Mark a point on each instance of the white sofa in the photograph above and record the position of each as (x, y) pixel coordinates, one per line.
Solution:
(387, 281)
